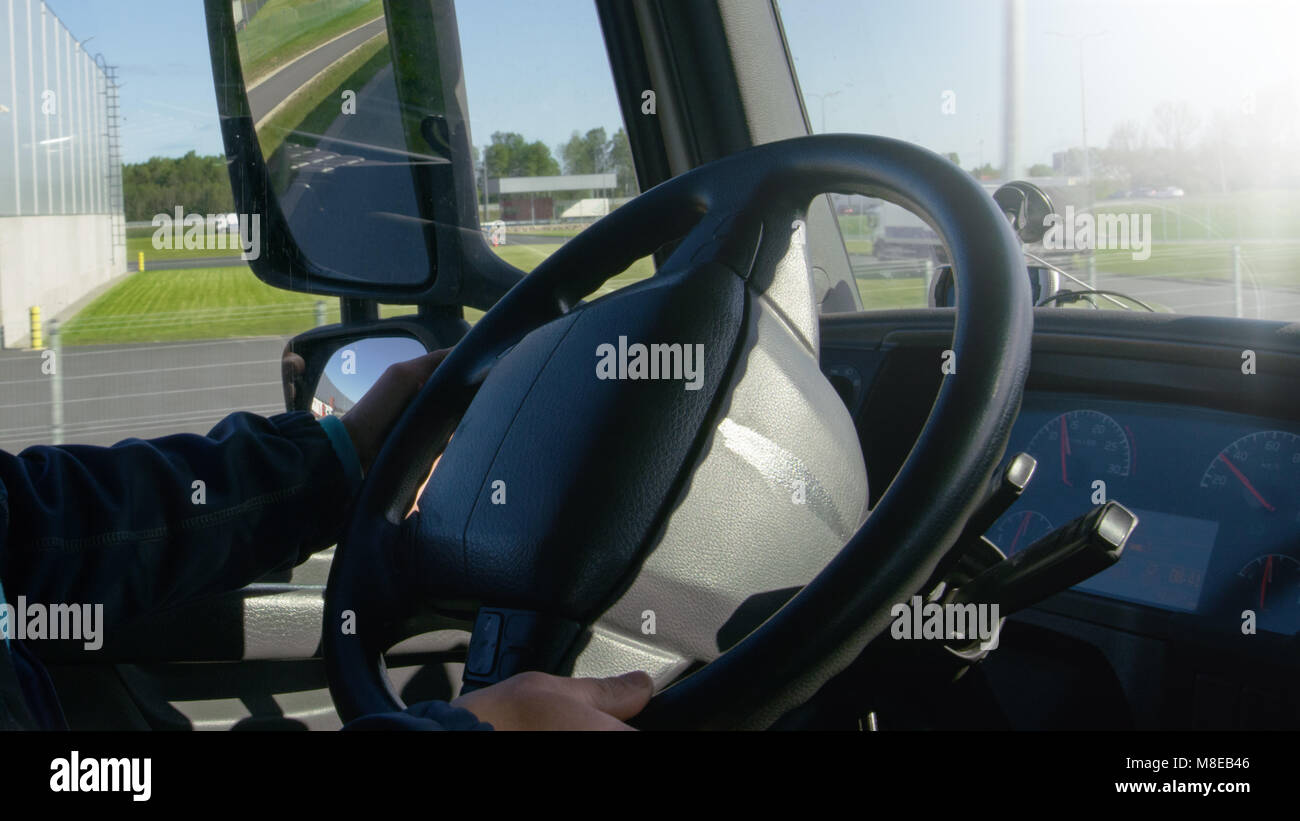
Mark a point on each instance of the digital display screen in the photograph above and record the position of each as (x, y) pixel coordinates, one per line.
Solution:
(1163, 564)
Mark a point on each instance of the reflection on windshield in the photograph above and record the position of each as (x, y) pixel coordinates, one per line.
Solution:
(1187, 195)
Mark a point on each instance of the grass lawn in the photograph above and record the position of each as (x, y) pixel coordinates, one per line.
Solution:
(880, 294)
(1271, 264)
(284, 30)
(550, 232)
(1259, 214)
(206, 303)
(528, 257)
(134, 245)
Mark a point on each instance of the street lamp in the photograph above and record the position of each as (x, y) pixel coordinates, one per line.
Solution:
(824, 98)
(1079, 39)
(482, 167)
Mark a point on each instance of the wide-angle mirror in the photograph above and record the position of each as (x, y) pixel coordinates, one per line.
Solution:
(344, 151)
(355, 367)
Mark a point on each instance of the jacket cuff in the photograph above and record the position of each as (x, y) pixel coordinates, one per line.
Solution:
(342, 442)
(427, 715)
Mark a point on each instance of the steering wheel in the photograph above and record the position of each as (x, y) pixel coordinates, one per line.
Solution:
(555, 497)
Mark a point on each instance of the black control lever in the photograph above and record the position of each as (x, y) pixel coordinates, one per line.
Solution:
(1058, 561)
(1002, 492)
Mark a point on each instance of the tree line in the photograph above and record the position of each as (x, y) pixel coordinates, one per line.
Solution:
(510, 154)
(202, 185)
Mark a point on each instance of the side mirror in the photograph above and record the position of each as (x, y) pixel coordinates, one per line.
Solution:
(347, 142)
(340, 364)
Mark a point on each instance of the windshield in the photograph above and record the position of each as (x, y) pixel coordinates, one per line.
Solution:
(1165, 133)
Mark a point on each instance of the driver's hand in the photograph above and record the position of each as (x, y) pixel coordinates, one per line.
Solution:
(538, 701)
(373, 416)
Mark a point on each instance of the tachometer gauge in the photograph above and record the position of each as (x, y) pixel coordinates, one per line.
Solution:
(1019, 529)
(1270, 586)
(1081, 447)
(1260, 471)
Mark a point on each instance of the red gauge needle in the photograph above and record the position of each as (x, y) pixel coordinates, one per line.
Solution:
(1268, 577)
(1065, 451)
(1241, 477)
(1020, 531)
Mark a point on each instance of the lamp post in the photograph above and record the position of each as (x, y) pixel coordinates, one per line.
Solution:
(823, 98)
(483, 168)
(1080, 39)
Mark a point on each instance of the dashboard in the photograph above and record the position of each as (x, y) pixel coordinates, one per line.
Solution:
(1157, 412)
(1217, 495)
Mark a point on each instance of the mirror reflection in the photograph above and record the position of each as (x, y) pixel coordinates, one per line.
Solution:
(354, 368)
(347, 159)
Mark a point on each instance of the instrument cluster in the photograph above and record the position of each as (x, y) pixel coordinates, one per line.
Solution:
(1217, 495)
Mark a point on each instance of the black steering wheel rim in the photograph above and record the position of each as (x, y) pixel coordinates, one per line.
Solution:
(719, 207)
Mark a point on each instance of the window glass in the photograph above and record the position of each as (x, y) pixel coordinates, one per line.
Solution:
(1187, 195)
(546, 127)
(137, 331)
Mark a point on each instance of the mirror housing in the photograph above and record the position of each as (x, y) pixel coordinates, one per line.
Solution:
(327, 366)
(462, 269)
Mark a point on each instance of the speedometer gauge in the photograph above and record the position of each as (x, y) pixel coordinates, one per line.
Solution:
(1260, 471)
(1271, 588)
(1081, 447)
(1018, 530)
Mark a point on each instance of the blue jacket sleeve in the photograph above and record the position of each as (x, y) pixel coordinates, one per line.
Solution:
(427, 715)
(148, 524)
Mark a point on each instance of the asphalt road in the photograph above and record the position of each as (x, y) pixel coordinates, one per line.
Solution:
(1193, 296)
(275, 89)
(112, 392)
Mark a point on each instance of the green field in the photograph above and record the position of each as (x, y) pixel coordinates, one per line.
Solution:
(134, 245)
(284, 30)
(1247, 215)
(1275, 265)
(552, 232)
(217, 303)
(880, 294)
(208, 303)
(528, 257)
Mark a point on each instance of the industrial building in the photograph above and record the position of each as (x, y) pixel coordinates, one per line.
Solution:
(62, 225)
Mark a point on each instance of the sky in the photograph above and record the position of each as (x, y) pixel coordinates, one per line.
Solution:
(540, 68)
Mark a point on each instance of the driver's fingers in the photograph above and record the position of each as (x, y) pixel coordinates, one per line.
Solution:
(424, 366)
(292, 367)
(621, 696)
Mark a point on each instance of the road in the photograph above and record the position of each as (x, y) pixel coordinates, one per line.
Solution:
(111, 392)
(275, 89)
(1207, 298)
